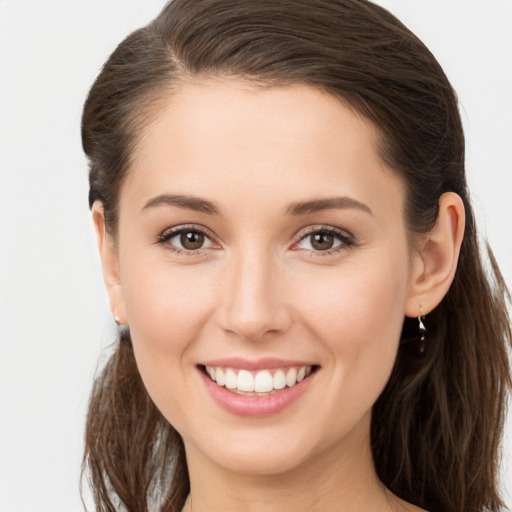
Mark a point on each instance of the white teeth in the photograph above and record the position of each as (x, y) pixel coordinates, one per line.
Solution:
(260, 383)
(220, 377)
(279, 380)
(263, 382)
(245, 381)
(231, 380)
(291, 377)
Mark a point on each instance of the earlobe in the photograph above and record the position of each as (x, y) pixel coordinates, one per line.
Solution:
(435, 262)
(109, 264)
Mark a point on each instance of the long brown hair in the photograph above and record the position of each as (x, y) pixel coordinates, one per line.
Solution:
(437, 426)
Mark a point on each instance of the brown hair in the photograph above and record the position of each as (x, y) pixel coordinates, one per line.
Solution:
(437, 426)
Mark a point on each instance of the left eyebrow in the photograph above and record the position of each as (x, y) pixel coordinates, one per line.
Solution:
(329, 203)
(181, 201)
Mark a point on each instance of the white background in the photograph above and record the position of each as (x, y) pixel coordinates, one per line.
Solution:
(54, 319)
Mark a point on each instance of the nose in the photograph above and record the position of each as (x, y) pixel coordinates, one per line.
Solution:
(253, 301)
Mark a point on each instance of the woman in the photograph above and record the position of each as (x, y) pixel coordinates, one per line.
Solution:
(289, 249)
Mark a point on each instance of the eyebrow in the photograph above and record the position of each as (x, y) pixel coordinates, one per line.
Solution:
(187, 202)
(330, 203)
(300, 208)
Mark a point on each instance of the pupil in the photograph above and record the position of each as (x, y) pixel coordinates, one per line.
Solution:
(192, 240)
(322, 241)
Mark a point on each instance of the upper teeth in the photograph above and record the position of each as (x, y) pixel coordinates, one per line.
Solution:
(262, 381)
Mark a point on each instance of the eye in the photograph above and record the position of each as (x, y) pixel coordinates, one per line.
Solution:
(325, 240)
(191, 240)
(185, 239)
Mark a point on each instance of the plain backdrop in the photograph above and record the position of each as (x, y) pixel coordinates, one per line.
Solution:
(54, 320)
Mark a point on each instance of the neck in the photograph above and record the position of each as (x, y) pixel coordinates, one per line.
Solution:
(337, 479)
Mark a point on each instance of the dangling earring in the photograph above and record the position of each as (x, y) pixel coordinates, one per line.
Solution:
(422, 330)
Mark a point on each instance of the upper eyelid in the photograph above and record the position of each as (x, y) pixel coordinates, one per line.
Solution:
(175, 230)
(322, 228)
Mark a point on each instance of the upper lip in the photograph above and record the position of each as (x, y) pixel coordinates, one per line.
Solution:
(255, 364)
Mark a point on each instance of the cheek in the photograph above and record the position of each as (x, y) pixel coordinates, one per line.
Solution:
(357, 313)
(166, 304)
(356, 298)
(166, 308)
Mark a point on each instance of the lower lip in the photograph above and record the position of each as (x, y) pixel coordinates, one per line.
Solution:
(255, 406)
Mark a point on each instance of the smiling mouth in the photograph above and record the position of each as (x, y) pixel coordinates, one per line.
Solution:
(258, 383)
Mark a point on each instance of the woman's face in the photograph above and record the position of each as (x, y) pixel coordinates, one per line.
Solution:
(261, 239)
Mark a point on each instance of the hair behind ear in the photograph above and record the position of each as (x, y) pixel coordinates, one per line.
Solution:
(131, 452)
(440, 418)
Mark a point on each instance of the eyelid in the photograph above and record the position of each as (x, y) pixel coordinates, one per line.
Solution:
(169, 233)
(346, 238)
(324, 228)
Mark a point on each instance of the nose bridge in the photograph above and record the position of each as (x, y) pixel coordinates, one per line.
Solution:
(252, 302)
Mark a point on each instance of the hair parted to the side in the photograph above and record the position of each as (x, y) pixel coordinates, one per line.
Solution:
(437, 426)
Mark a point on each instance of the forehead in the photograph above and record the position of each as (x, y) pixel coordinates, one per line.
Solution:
(231, 140)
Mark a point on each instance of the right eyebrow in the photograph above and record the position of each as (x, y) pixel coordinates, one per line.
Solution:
(329, 203)
(187, 202)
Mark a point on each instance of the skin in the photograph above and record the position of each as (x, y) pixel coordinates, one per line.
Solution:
(259, 288)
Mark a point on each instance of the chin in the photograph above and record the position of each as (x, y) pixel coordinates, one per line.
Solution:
(259, 462)
(260, 452)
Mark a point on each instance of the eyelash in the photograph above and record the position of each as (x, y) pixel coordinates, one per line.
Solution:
(168, 234)
(346, 239)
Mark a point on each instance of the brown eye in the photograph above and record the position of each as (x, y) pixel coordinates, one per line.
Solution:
(192, 240)
(322, 241)
(186, 240)
(327, 241)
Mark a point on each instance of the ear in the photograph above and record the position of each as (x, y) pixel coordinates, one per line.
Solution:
(435, 261)
(109, 264)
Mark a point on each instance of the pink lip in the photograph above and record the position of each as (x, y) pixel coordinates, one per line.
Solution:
(266, 363)
(254, 406)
